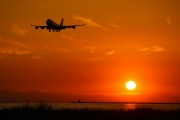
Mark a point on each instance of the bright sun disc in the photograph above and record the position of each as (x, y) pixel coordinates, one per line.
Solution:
(130, 85)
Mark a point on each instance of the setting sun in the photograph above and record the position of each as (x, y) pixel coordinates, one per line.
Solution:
(130, 85)
(128, 51)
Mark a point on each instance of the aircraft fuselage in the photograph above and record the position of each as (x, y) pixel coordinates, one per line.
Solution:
(51, 25)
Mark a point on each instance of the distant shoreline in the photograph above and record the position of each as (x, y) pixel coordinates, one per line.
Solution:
(46, 112)
(131, 102)
(97, 102)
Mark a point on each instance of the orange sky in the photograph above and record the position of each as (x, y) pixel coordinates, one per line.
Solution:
(123, 40)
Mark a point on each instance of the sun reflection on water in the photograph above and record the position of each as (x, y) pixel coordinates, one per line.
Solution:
(130, 106)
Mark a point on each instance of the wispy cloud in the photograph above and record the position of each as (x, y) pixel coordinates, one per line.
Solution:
(153, 49)
(9, 46)
(20, 52)
(18, 30)
(157, 49)
(109, 52)
(90, 22)
(91, 49)
(13, 51)
(2, 57)
(113, 25)
(95, 59)
(14, 43)
(59, 49)
(168, 19)
(36, 57)
(68, 38)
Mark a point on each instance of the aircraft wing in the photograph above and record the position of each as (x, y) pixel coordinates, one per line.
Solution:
(42, 27)
(72, 26)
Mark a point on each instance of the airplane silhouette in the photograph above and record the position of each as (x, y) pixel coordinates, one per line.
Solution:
(52, 26)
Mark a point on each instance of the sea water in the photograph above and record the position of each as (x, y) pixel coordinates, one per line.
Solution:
(109, 106)
(117, 106)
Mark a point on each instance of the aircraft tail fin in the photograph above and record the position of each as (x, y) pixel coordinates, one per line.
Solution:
(61, 24)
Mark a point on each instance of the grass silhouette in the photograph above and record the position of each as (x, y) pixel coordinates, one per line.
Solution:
(43, 111)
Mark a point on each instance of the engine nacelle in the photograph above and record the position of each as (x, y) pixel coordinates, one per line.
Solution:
(42, 27)
(73, 27)
(36, 27)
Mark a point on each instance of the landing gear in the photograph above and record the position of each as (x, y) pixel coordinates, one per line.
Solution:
(54, 30)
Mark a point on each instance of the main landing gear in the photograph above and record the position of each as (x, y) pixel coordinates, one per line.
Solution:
(54, 30)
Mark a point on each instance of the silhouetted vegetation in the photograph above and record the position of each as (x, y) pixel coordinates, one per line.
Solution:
(43, 111)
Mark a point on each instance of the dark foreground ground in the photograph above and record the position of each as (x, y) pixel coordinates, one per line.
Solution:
(45, 112)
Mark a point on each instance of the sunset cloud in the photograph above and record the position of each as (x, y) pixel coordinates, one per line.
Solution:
(157, 49)
(95, 59)
(18, 30)
(68, 38)
(113, 25)
(36, 57)
(11, 42)
(109, 52)
(58, 49)
(2, 57)
(10, 46)
(13, 51)
(90, 22)
(168, 20)
(91, 49)
(20, 52)
(153, 49)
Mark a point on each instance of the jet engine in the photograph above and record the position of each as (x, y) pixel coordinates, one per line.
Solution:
(42, 27)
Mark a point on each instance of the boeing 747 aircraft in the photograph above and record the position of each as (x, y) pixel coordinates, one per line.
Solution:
(52, 26)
